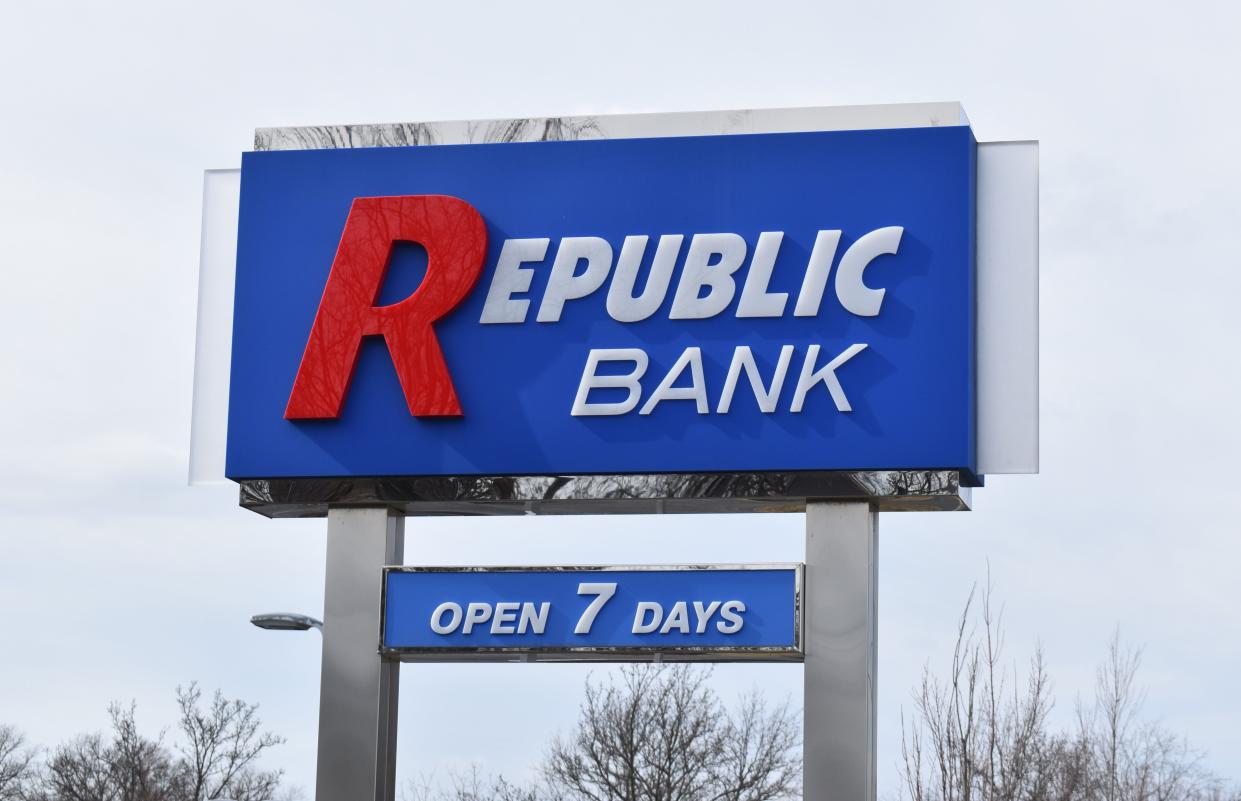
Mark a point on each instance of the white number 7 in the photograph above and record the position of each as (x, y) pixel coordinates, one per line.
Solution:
(603, 593)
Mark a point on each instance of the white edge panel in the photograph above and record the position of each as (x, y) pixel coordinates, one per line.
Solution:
(1007, 321)
(214, 337)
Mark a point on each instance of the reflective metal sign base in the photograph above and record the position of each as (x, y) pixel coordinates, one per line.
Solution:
(358, 692)
(842, 652)
(693, 493)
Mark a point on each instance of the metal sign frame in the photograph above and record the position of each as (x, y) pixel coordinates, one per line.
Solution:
(837, 587)
(797, 653)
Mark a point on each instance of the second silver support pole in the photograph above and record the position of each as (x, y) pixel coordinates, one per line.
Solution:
(358, 695)
(841, 651)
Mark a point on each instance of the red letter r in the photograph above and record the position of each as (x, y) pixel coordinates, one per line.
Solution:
(455, 238)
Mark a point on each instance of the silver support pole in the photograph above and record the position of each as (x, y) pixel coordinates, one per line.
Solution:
(841, 651)
(358, 694)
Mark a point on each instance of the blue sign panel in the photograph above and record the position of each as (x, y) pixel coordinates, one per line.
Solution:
(445, 612)
(799, 301)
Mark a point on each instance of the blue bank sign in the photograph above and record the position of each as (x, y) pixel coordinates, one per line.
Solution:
(793, 301)
(722, 612)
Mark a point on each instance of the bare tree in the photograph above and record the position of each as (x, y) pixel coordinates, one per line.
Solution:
(658, 733)
(1131, 758)
(15, 763)
(761, 756)
(979, 730)
(127, 767)
(223, 740)
(981, 733)
(661, 734)
(474, 785)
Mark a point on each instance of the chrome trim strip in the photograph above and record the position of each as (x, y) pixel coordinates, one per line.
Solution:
(612, 126)
(659, 493)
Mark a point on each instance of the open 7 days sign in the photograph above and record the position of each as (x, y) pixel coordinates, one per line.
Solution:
(793, 301)
(720, 612)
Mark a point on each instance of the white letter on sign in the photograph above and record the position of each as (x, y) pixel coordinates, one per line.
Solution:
(603, 593)
(563, 284)
(622, 305)
(699, 272)
(817, 270)
(854, 295)
(643, 626)
(475, 613)
(678, 618)
(767, 398)
(696, 391)
(732, 613)
(505, 617)
(628, 381)
(704, 614)
(809, 378)
(756, 301)
(510, 278)
(437, 618)
(533, 620)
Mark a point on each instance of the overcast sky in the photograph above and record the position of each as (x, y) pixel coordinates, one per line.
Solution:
(118, 582)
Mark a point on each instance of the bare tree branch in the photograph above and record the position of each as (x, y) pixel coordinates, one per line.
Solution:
(983, 733)
(16, 761)
(223, 742)
(663, 735)
(216, 761)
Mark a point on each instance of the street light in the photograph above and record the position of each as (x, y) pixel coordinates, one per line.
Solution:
(286, 621)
